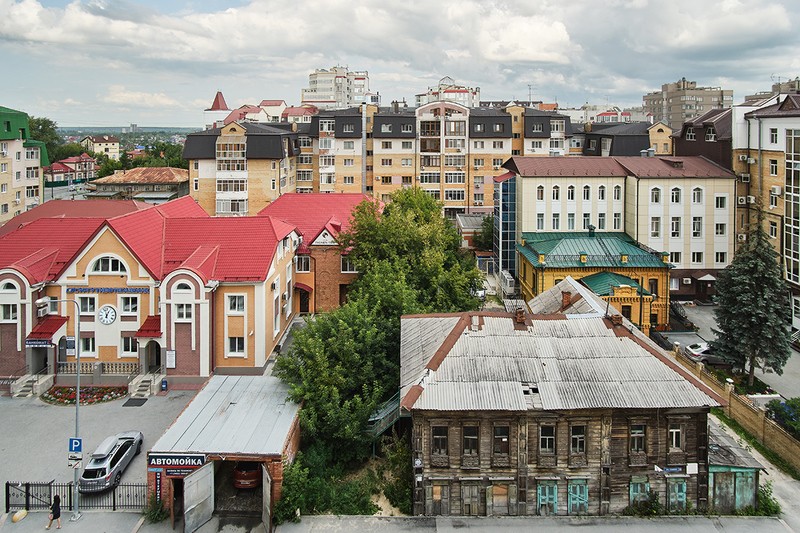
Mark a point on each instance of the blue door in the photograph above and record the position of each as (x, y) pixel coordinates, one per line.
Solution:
(578, 497)
(547, 498)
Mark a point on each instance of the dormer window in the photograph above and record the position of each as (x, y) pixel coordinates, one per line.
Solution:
(690, 134)
(183, 287)
(711, 134)
(109, 265)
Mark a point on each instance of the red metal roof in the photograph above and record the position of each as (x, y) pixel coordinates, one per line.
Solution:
(673, 166)
(303, 286)
(150, 328)
(312, 213)
(504, 177)
(47, 327)
(566, 166)
(219, 103)
(271, 103)
(74, 209)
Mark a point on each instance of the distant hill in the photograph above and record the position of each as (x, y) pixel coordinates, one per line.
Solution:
(96, 130)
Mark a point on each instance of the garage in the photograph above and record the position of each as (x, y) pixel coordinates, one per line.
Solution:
(226, 451)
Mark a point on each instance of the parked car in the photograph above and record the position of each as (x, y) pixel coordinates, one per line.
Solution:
(109, 460)
(247, 475)
(702, 352)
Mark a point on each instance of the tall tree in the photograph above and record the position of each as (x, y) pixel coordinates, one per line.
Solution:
(43, 129)
(411, 234)
(484, 238)
(753, 311)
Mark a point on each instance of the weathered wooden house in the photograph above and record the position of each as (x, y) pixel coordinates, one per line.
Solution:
(568, 414)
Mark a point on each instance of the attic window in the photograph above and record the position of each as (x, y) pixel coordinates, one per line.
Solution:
(234, 130)
(183, 287)
(109, 265)
(9, 286)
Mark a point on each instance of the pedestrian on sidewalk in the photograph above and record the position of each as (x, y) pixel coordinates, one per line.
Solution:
(55, 512)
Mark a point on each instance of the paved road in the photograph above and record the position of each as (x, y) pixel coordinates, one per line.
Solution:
(788, 384)
(34, 435)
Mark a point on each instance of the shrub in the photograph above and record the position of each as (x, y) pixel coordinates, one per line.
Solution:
(397, 486)
(649, 507)
(155, 510)
(786, 414)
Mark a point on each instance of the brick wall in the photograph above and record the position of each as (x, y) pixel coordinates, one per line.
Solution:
(328, 273)
(187, 361)
(11, 359)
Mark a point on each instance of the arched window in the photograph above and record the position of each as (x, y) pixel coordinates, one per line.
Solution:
(540, 192)
(697, 195)
(655, 195)
(8, 286)
(183, 287)
(601, 192)
(571, 192)
(587, 192)
(675, 195)
(109, 265)
(617, 192)
(556, 192)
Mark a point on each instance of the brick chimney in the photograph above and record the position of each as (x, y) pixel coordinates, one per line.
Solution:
(519, 316)
(566, 299)
(616, 320)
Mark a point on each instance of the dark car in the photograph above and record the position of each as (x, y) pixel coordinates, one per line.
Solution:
(109, 460)
(247, 475)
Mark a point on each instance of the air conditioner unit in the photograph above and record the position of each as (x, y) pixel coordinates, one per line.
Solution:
(477, 167)
(3, 153)
(742, 157)
(285, 296)
(745, 177)
(478, 202)
(751, 160)
(687, 281)
(496, 167)
(272, 286)
(741, 237)
(751, 199)
(16, 201)
(41, 312)
(775, 190)
(741, 200)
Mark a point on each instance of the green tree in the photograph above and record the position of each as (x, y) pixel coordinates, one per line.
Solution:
(412, 235)
(753, 311)
(484, 238)
(43, 129)
(66, 150)
(106, 166)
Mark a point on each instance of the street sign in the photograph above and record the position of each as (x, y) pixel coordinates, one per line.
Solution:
(75, 445)
(75, 457)
(76, 465)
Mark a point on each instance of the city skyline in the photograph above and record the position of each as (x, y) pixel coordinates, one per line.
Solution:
(111, 63)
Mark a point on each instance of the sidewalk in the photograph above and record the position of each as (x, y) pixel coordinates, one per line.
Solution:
(89, 522)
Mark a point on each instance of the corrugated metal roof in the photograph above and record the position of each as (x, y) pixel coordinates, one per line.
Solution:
(578, 363)
(602, 282)
(247, 415)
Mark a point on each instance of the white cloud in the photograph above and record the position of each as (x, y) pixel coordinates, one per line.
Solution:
(118, 95)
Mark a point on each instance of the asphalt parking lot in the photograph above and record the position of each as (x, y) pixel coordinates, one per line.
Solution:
(34, 436)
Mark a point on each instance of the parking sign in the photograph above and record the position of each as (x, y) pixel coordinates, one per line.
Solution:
(75, 445)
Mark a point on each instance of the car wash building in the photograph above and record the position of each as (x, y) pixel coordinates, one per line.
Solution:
(232, 419)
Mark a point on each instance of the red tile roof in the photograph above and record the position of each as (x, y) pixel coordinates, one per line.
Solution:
(673, 166)
(300, 111)
(503, 177)
(151, 327)
(312, 213)
(100, 209)
(241, 113)
(224, 249)
(41, 249)
(565, 166)
(219, 103)
(272, 103)
(47, 327)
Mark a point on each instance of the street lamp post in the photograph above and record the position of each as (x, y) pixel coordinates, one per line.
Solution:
(42, 302)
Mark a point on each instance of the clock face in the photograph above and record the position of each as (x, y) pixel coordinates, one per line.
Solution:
(107, 314)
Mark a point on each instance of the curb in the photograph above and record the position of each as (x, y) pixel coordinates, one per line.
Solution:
(138, 525)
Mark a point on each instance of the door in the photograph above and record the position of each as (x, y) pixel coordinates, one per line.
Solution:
(198, 497)
(677, 494)
(745, 489)
(578, 497)
(547, 498)
(305, 298)
(266, 486)
(499, 500)
(724, 492)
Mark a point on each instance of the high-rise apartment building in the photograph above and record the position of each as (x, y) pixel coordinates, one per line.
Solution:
(683, 100)
(21, 162)
(335, 88)
(448, 91)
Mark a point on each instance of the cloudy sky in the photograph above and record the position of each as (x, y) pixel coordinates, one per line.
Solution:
(160, 62)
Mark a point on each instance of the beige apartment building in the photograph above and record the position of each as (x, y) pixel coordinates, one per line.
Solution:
(682, 100)
(21, 162)
(238, 169)
(102, 144)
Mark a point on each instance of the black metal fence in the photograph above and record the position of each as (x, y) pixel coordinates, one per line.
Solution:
(33, 496)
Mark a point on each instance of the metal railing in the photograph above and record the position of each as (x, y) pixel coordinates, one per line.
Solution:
(38, 496)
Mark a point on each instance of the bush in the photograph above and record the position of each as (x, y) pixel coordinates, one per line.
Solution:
(398, 484)
(649, 507)
(786, 414)
(155, 510)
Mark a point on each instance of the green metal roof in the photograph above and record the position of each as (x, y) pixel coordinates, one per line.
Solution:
(601, 283)
(11, 121)
(564, 250)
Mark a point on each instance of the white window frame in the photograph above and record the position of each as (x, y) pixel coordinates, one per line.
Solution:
(347, 266)
(183, 312)
(9, 312)
(88, 346)
(87, 304)
(125, 345)
(237, 350)
(655, 227)
(128, 305)
(303, 263)
(236, 304)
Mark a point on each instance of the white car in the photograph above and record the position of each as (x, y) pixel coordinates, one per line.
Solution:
(109, 460)
(703, 352)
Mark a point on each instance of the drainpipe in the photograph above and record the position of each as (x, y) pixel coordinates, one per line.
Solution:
(364, 147)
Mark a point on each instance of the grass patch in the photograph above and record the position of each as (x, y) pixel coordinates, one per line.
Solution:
(771, 456)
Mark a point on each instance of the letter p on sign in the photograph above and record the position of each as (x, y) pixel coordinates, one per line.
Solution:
(75, 445)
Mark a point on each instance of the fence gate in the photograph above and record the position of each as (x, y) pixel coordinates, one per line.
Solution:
(198, 497)
(38, 496)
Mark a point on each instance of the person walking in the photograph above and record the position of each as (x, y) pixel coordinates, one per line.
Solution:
(55, 512)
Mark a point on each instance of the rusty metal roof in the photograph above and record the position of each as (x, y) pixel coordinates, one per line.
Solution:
(486, 361)
(141, 175)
